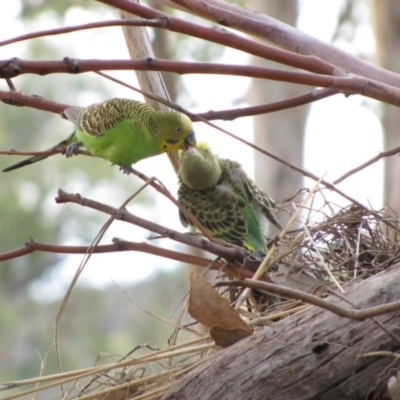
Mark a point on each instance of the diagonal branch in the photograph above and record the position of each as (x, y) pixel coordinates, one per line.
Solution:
(371, 161)
(283, 35)
(227, 38)
(40, 103)
(123, 215)
(232, 114)
(155, 23)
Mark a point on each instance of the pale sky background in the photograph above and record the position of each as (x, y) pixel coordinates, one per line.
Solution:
(341, 132)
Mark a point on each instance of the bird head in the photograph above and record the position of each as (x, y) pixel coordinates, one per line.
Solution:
(177, 129)
(199, 166)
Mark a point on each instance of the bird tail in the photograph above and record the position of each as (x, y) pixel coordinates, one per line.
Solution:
(27, 161)
(31, 160)
(272, 219)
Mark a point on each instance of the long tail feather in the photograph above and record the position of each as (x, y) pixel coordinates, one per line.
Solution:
(31, 160)
(27, 161)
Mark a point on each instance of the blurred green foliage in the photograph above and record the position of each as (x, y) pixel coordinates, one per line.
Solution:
(95, 321)
(34, 8)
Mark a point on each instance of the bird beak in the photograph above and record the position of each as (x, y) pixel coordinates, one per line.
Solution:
(190, 140)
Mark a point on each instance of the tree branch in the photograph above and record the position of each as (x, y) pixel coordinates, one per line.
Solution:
(155, 23)
(228, 39)
(232, 114)
(290, 293)
(283, 35)
(123, 245)
(21, 100)
(123, 215)
(371, 161)
(349, 84)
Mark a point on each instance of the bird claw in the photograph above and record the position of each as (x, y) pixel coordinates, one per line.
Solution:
(126, 169)
(72, 148)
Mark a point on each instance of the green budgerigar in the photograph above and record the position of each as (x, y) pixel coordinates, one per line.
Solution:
(123, 132)
(219, 193)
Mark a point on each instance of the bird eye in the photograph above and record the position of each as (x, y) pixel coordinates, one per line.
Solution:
(177, 129)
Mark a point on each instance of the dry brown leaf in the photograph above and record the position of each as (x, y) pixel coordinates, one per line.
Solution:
(226, 337)
(215, 312)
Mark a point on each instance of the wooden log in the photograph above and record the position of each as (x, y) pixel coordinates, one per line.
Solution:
(312, 355)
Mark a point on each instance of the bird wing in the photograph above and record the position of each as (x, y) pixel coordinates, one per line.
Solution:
(72, 113)
(99, 118)
(234, 174)
(218, 209)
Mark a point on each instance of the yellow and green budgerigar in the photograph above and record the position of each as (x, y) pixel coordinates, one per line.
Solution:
(123, 132)
(219, 193)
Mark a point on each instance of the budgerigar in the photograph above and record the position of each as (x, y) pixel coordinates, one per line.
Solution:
(123, 132)
(219, 193)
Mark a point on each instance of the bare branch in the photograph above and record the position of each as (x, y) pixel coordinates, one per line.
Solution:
(283, 35)
(19, 99)
(290, 293)
(232, 114)
(16, 66)
(161, 189)
(228, 39)
(123, 215)
(348, 83)
(373, 160)
(123, 245)
(229, 115)
(157, 22)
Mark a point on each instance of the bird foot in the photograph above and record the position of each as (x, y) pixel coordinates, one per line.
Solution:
(126, 169)
(72, 148)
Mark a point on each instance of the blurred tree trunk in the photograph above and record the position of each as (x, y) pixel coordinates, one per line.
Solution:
(386, 14)
(164, 46)
(164, 43)
(281, 133)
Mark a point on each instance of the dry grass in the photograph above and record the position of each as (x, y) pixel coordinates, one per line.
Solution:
(352, 244)
(348, 244)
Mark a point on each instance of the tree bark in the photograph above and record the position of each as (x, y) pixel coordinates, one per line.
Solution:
(311, 355)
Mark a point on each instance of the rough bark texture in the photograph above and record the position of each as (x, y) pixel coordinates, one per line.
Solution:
(312, 355)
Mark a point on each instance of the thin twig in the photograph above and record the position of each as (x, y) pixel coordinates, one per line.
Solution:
(371, 161)
(231, 253)
(163, 190)
(232, 114)
(157, 22)
(290, 293)
(316, 249)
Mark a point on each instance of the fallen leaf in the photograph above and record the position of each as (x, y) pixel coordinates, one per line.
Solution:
(215, 312)
(226, 337)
